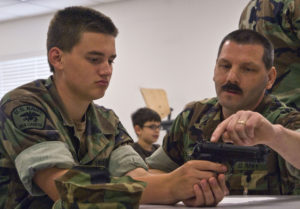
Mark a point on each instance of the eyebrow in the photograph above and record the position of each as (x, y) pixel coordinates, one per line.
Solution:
(222, 60)
(250, 63)
(244, 63)
(101, 54)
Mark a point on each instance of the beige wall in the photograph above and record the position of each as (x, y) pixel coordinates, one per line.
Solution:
(169, 44)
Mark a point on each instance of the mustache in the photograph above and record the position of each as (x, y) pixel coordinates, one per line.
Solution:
(232, 87)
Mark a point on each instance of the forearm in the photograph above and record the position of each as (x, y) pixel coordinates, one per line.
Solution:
(287, 144)
(157, 190)
(45, 179)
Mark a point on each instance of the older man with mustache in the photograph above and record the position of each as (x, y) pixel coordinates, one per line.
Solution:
(243, 113)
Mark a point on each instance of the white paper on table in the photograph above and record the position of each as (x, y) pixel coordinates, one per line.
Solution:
(247, 199)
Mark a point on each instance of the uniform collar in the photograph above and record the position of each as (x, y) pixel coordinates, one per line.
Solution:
(267, 99)
(98, 121)
(50, 85)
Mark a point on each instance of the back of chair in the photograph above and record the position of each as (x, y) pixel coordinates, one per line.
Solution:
(157, 100)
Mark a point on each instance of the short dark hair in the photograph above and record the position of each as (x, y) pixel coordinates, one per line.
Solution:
(143, 115)
(246, 36)
(68, 24)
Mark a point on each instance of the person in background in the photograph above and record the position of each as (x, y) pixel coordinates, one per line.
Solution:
(243, 113)
(279, 22)
(57, 146)
(146, 124)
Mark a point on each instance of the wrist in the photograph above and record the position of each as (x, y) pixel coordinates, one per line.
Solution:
(171, 189)
(158, 189)
(274, 141)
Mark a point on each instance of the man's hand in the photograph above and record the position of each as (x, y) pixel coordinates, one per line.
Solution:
(209, 193)
(250, 128)
(197, 184)
(246, 128)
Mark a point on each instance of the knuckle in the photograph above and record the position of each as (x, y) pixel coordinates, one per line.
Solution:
(189, 164)
(239, 128)
(230, 130)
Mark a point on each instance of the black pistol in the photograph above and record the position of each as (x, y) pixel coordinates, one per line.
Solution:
(229, 153)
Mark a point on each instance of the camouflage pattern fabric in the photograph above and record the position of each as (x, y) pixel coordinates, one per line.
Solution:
(279, 21)
(34, 113)
(86, 187)
(197, 123)
(142, 152)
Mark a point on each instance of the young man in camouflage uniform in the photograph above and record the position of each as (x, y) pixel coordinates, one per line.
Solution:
(146, 124)
(243, 114)
(279, 21)
(52, 134)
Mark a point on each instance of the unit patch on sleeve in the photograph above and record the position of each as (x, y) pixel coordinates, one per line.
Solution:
(28, 116)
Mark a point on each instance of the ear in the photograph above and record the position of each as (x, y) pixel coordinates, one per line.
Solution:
(271, 77)
(137, 130)
(214, 79)
(55, 56)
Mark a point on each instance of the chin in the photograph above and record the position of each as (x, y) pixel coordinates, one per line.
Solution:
(230, 106)
(98, 96)
(155, 140)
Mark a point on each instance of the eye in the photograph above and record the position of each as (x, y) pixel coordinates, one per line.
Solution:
(154, 127)
(111, 61)
(248, 69)
(224, 66)
(94, 60)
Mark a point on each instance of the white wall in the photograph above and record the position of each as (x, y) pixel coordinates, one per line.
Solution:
(169, 44)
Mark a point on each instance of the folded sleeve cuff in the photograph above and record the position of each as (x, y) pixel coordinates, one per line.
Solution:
(40, 156)
(293, 171)
(124, 159)
(161, 161)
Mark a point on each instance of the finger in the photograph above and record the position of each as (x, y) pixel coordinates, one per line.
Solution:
(251, 124)
(198, 200)
(199, 175)
(226, 137)
(241, 126)
(207, 193)
(232, 130)
(221, 128)
(222, 183)
(216, 190)
(189, 202)
(204, 165)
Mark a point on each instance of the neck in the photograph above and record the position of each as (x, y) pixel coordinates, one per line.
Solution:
(74, 106)
(227, 112)
(145, 145)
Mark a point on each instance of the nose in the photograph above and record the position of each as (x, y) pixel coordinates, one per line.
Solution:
(105, 69)
(157, 129)
(233, 75)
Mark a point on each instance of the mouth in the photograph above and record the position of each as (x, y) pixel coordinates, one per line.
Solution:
(231, 91)
(102, 83)
(155, 136)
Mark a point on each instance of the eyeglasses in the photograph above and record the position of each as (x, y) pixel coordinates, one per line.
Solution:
(153, 127)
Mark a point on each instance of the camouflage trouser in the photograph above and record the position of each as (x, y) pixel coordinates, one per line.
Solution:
(90, 187)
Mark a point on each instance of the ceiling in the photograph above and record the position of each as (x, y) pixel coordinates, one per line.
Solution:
(14, 9)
